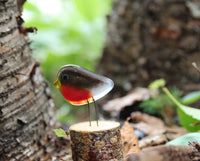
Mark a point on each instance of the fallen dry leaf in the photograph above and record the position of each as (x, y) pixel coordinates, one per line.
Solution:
(168, 153)
(115, 106)
(146, 123)
(129, 140)
(153, 140)
(155, 129)
(154, 121)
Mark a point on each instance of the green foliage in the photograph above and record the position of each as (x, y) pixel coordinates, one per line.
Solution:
(92, 8)
(60, 132)
(187, 120)
(69, 32)
(165, 106)
(155, 85)
(185, 139)
(157, 104)
(189, 117)
(161, 105)
(191, 97)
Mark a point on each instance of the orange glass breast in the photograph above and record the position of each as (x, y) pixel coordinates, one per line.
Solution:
(76, 96)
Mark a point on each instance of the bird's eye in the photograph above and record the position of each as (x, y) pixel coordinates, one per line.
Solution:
(65, 77)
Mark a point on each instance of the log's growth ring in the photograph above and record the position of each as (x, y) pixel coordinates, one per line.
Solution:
(96, 143)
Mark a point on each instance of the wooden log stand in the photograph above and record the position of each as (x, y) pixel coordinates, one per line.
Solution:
(96, 143)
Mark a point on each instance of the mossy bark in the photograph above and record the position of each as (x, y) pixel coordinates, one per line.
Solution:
(96, 143)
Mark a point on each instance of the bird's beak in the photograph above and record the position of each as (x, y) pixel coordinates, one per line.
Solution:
(57, 83)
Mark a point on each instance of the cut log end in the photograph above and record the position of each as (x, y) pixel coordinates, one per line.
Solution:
(85, 127)
(93, 143)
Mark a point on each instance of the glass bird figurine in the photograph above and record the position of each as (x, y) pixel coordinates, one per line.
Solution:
(80, 86)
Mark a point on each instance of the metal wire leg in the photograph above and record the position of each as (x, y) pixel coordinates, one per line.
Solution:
(97, 118)
(89, 112)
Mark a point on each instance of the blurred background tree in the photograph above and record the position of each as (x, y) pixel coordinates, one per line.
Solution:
(69, 32)
(152, 39)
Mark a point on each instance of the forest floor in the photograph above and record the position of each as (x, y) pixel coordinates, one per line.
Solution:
(144, 137)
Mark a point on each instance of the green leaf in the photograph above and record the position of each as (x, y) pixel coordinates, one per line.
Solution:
(189, 117)
(188, 122)
(191, 97)
(185, 139)
(60, 132)
(92, 8)
(31, 7)
(157, 84)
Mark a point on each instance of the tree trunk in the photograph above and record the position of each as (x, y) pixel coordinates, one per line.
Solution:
(151, 39)
(25, 105)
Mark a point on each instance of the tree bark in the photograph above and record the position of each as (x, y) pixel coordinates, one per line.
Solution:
(26, 107)
(151, 39)
(96, 143)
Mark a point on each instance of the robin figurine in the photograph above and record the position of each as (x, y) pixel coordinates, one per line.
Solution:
(80, 86)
